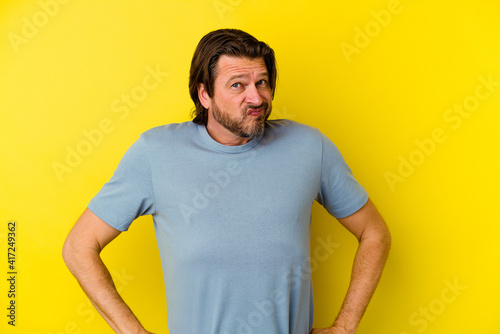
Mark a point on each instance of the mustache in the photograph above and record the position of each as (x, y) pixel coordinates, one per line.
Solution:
(263, 105)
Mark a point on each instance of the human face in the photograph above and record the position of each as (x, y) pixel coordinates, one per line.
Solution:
(242, 100)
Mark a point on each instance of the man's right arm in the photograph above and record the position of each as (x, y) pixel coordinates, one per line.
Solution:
(81, 253)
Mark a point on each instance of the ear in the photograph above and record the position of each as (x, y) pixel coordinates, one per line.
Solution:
(203, 96)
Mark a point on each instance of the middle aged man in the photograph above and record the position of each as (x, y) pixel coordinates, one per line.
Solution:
(231, 195)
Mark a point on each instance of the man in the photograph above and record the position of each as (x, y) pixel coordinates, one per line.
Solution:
(231, 195)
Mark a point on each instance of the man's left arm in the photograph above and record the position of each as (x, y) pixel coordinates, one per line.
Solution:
(374, 238)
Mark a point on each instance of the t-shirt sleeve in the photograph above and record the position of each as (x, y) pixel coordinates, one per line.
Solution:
(339, 192)
(129, 192)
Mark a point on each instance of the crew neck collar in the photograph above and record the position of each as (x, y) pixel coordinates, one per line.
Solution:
(206, 138)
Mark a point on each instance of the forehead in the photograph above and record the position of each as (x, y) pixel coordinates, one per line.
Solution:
(231, 66)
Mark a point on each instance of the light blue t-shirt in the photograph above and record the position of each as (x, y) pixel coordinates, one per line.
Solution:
(232, 222)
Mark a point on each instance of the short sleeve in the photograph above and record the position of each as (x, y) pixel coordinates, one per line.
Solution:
(339, 192)
(129, 192)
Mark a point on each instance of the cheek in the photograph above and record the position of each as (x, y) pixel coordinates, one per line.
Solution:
(267, 95)
(230, 101)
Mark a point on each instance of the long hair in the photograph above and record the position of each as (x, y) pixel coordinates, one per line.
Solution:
(230, 42)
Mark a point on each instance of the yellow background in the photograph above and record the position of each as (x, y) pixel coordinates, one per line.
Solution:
(374, 103)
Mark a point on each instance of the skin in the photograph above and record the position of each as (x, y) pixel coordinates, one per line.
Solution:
(81, 253)
(237, 113)
(241, 86)
(374, 240)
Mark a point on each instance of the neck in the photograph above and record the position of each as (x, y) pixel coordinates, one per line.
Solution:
(223, 136)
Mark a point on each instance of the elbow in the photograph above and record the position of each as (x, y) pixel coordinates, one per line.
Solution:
(71, 253)
(67, 252)
(387, 241)
(384, 237)
(379, 238)
(387, 238)
(384, 242)
(77, 254)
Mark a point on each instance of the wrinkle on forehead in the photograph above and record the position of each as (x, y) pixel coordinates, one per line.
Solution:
(232, 66)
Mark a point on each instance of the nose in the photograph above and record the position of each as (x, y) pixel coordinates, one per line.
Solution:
(253, 96)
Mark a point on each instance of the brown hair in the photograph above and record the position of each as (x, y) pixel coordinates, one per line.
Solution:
(230, 42)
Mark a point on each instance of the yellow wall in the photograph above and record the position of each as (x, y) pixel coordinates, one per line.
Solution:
(384, 79)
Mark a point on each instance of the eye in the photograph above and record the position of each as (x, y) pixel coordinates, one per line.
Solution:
(236, 85)
(262, 82)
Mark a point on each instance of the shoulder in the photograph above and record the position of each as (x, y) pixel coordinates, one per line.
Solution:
(172, 129)
(162, 137)
(291, 126)
(167, 133)
(293, 130)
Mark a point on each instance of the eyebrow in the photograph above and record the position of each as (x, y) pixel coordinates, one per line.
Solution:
(242, 76)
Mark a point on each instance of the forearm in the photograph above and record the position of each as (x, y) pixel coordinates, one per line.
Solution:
(96, 282)
(367, 268)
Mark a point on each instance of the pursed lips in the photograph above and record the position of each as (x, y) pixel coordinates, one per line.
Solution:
(255, 112)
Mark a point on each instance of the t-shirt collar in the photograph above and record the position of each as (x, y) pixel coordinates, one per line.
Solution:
(207, 139)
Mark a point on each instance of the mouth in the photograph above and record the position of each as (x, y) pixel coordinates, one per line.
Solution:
(255, 112)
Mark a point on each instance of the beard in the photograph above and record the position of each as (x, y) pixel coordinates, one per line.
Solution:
(240, 126)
